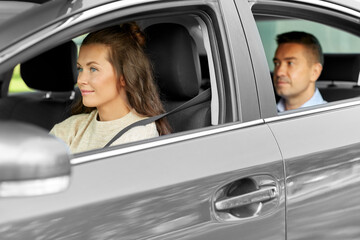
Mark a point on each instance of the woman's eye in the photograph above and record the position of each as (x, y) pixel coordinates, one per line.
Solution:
(79, 69)
(92, 69)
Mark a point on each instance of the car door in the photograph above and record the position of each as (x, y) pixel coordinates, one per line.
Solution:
(321, 151)
(320, 146)
(221, 182)
(166, 191)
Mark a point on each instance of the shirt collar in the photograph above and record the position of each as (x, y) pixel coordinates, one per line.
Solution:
(314, 100)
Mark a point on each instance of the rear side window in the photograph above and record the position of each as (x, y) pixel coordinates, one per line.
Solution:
(339, 78)
(332, 40)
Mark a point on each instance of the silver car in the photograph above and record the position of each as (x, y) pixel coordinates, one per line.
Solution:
(234, 168)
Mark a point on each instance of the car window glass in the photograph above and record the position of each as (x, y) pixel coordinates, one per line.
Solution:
(332, 40)
(17, 84)
(53, 106)
(339, 79)
(162, 54)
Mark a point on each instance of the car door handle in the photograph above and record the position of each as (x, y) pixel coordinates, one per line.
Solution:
(258, 196)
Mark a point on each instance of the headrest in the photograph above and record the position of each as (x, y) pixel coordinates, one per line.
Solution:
(176, 61)
(54, 70)
(341, 67)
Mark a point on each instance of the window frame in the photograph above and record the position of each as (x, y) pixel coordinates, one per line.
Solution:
(86, 22)
(328, 14)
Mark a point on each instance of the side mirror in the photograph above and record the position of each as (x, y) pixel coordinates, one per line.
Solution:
(32, 162)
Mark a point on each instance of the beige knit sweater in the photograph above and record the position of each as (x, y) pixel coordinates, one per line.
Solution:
(84, 132)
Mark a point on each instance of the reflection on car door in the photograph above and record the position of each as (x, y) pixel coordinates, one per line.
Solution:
(321, 153)
(167, 189)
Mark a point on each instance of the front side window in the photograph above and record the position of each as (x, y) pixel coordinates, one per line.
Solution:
(17, 84)
(73, 79)
(89, 88)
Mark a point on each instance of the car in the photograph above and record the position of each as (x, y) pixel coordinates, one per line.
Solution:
(233, 168)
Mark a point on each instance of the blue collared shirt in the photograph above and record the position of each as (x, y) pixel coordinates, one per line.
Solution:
(314, 100)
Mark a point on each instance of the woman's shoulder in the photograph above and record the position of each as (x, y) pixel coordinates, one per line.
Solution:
(141, 132)
(74, 121)
(78, 118)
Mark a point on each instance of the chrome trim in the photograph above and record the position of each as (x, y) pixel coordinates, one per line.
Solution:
(302, 113)
(318, 3)
(259, 206)
(258, 196)
(205, 133)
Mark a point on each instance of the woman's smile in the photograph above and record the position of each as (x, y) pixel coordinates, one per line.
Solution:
(86, 92)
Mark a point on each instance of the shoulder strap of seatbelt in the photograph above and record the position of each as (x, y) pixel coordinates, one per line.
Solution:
(202, 97)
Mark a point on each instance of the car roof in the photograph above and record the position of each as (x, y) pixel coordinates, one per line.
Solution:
(29, 17)
(10, 9)
(353, 4)
(34, 15)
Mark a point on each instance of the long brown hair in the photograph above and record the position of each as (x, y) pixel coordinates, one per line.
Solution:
(127, 56)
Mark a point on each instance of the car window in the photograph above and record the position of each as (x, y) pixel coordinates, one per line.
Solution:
(339, 79)
(17, 84)
(54, 101)
(332, 40)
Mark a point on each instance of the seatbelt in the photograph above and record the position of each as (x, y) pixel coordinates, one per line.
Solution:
(202, 97)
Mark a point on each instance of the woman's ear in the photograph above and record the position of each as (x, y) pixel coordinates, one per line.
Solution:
(316, 71)
(122, 81)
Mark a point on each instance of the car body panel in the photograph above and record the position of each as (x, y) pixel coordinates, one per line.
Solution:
(260, 67)
(241, 72)
(156, 191)
(322, 173)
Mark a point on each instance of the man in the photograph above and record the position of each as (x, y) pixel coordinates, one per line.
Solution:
(298, 64)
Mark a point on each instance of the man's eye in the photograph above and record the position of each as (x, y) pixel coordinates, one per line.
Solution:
(276, 64)
(290, 63)
(92, 69)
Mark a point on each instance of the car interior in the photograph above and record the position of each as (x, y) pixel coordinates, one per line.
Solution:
(170, 46)
(340, 78)
(175, 56)
(50, 102)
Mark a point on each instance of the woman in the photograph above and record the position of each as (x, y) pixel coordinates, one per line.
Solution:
(116, 83)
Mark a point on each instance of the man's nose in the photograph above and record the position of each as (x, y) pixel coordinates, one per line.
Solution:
(280, 70)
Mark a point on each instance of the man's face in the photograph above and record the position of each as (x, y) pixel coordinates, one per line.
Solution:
(294, 72)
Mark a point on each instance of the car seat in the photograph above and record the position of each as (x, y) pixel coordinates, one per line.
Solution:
(178, 74)
(340, 78)
(53, 75)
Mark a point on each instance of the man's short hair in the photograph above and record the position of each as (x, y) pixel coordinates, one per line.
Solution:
(304, 38)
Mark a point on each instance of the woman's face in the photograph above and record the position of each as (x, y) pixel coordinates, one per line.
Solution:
(98, 83)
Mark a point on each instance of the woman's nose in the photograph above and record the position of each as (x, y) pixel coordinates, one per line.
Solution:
(81, 79)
